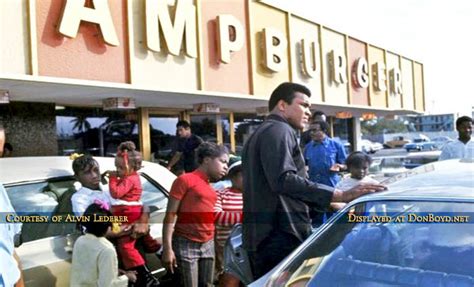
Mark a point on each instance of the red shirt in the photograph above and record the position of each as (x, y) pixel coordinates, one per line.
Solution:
(128, 188)
(196, 210)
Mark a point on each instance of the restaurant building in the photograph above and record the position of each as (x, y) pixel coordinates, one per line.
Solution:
(82, 75)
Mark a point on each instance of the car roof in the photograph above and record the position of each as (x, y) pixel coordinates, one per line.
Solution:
(24, 169)
(444, 180)
(432, 153)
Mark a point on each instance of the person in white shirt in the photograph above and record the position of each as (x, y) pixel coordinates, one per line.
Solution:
(458, 148)
(94, 259)
(89, 189)
(358, 164)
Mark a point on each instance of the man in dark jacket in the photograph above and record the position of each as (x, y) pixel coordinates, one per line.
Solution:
(277, 194)
(187, 143)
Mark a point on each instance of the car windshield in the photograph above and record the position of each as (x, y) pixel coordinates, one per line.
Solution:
(388, 243)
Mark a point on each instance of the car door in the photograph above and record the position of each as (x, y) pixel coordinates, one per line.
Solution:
(46, 250)
(45, 253)
(155, 196)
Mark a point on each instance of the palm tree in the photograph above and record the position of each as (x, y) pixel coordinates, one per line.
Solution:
(80, 123)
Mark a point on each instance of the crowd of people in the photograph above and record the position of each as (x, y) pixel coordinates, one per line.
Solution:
(281, 188)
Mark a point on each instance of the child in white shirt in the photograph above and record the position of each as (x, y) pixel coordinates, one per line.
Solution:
(94, 259)
(358, 165)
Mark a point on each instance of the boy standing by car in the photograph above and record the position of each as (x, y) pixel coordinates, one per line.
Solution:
(358, 164)
(457, 148)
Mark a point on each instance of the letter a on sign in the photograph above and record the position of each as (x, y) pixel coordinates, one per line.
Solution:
(75, 12)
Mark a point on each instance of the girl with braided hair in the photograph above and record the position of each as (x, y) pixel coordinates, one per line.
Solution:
(126, 189)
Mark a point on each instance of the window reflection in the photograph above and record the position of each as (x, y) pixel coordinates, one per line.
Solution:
(94, 131)
(204, 126)
(244, 126)
(163, 137)
(387, 243)
(343, 133)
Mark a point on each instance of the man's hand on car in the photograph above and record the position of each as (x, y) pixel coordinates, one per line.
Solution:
(356, 191)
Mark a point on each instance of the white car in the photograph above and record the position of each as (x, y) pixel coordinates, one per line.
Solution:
(35, 186)
(418, 233)
(368, 146)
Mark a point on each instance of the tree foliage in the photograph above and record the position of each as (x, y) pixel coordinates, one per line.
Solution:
(382, 125)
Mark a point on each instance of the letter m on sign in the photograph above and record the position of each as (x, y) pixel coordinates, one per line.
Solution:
(158, 16)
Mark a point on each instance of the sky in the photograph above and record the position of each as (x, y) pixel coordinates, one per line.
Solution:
(437, 33)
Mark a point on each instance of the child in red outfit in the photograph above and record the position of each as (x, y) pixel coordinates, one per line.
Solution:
(125, 187)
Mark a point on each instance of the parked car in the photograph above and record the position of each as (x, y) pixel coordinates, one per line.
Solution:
(35, 186)
(387, 166)
(413, 160)
(420, 144)
(396, 142)
(368, 146)
(415, 234)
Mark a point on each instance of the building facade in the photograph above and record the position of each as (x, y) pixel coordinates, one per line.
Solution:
(101, 71)
(433, 123)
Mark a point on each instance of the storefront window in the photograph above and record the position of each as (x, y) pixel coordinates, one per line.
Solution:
(244, 126)
(94, 131)
(204, 126)
(225, 123)
(343, 132)
(162, 137)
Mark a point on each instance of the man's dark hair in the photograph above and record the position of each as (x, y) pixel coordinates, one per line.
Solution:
(317, 114)
(8, 146)
(98, 228)
(183, 124)
(286, 92)
(461, 120)
(209, 149)
(357, 158)
(323, 125)
(234, 171)
(83, 162)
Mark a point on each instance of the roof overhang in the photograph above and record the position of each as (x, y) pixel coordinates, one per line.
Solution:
(70, 92)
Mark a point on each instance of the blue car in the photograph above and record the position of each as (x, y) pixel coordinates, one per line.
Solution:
(413, 160)
(418, 233)
(420, 144)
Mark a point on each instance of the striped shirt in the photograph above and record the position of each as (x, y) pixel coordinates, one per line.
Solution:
(228, 211)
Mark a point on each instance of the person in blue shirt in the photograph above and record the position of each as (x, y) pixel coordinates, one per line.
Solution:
(325, 157)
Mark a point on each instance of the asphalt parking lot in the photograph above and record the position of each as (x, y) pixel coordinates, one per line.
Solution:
(390, 152)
